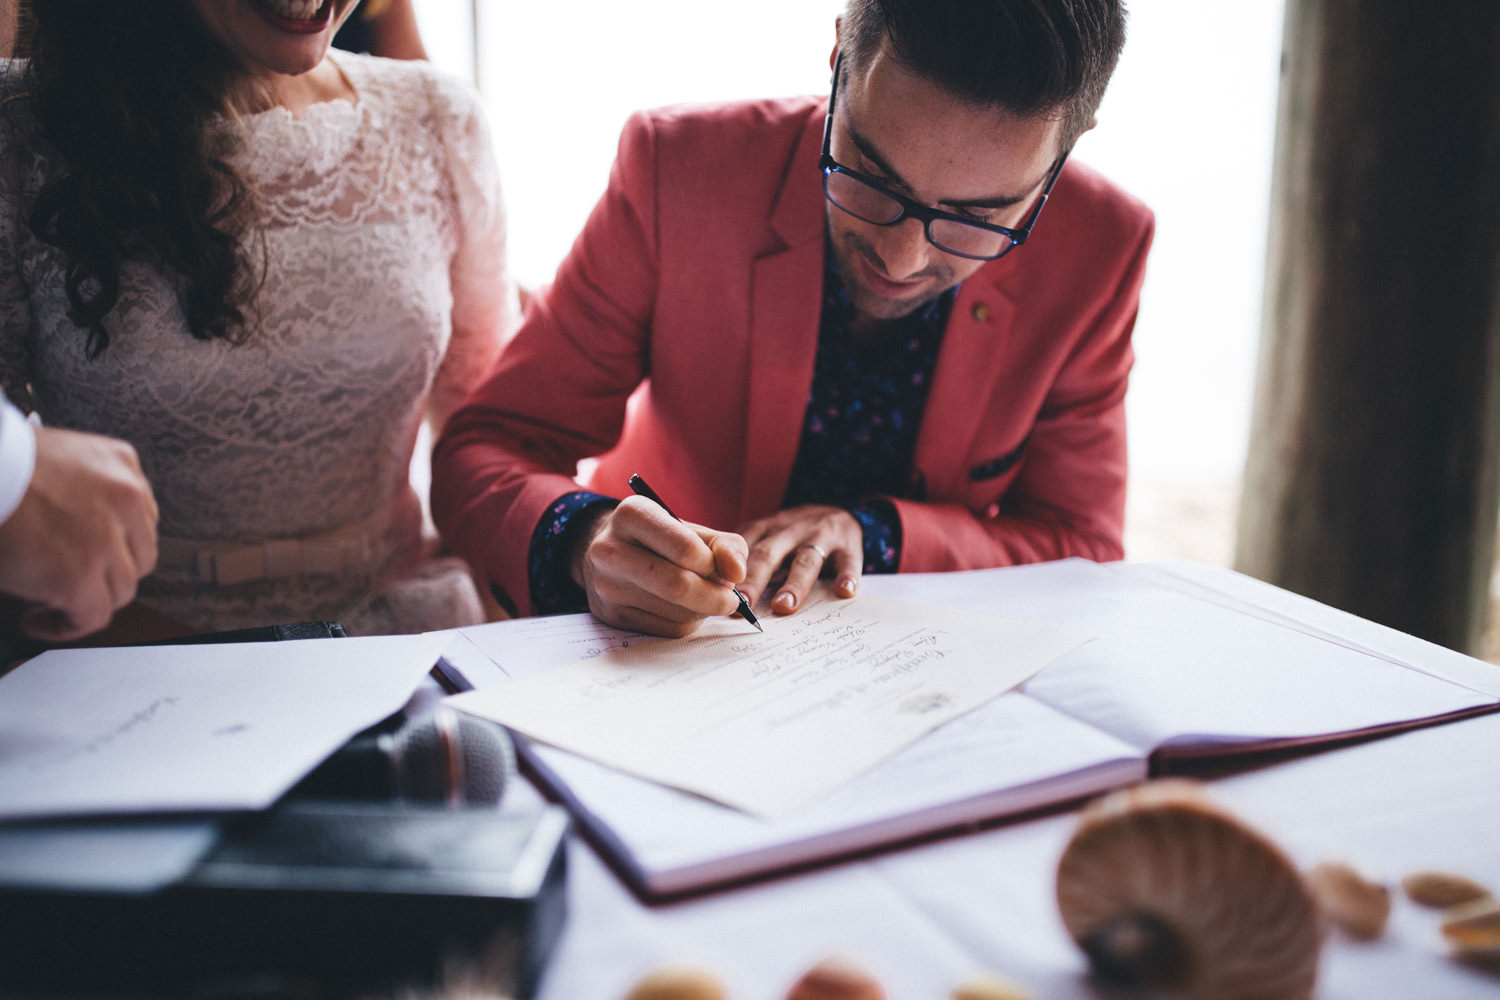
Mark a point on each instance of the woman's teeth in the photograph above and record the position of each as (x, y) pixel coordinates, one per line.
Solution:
(294, 10)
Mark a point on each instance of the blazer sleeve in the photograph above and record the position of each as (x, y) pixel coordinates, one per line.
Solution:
(1067, 497)
(559, 391)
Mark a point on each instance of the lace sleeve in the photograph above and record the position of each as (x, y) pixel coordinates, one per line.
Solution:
(485, 305)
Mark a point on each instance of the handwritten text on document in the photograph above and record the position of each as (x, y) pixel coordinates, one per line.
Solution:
(766, 723)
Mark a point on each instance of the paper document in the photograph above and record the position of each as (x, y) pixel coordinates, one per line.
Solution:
(196, 728)
(1187, 664)
(766, 723)
(529, 646)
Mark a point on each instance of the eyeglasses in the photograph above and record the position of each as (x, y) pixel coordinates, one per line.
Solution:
(867, 199)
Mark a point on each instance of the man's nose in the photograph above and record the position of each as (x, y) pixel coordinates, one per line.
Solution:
(903, 249)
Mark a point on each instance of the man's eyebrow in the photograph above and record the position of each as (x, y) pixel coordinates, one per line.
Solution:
(868, 151)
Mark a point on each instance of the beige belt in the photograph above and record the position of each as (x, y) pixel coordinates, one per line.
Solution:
(345, 549)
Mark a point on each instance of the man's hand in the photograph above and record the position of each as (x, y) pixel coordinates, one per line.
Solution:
(801, 543)
(82, 536)
(643, 569)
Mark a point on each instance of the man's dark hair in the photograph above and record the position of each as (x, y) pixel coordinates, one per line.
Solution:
(1030, 57)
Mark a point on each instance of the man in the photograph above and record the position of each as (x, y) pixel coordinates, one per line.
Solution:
(77, 526)
(832, 338)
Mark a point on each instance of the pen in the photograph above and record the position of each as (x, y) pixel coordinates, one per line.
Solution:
(641, 487)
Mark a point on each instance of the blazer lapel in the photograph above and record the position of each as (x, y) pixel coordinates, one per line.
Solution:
(785, 311)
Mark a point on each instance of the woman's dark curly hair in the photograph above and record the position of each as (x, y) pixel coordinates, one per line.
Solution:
(132, 94)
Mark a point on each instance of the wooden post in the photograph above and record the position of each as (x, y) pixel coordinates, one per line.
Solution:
(1371, 479)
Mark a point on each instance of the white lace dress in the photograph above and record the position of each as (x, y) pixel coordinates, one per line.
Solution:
(385, 299)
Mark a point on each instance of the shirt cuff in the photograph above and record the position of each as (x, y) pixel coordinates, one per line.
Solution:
(881, 525)
(17, 457)
(553, 591)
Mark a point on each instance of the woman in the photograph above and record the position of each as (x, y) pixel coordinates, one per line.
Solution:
(263, 266)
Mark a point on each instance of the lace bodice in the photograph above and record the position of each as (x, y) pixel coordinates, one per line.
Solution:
(384, 296)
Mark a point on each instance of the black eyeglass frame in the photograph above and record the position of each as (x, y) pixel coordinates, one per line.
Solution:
(912, 209)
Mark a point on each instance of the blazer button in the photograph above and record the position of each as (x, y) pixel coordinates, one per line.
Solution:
(980, 312)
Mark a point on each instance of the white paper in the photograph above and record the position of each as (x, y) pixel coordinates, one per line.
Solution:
(1176, 671)
(1258, 599)
(519, 647)
(1175, 666)
(1005, 757)
(211, 727)
(766, 723)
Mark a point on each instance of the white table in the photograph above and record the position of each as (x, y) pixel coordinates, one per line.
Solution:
(925, 917)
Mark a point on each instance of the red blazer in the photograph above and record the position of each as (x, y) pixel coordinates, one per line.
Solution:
(679, 336)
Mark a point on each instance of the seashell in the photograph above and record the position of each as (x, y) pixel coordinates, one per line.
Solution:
(1473, 928)
(678, 982)
(1164, 890)
(1441, 889)
(988, 986)
(836, 978)
(1358, 905)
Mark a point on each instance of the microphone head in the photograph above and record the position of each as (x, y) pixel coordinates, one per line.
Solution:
(452, 758)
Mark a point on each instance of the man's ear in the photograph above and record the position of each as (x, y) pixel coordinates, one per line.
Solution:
(838, 32)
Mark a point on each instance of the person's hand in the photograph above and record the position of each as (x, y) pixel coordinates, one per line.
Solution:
(643, 569)
(803, 543)
(82, 536)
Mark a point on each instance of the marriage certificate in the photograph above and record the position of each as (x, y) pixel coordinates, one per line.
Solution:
(768, 722)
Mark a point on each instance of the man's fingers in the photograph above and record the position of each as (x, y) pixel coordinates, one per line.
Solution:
(793, 547)
(664, 589)
(719, 555)
(646, 570)
(848, 566)
(806, 566)
(692, 565)
(646, 524)
(770, 561)
(731, 554)
(620, 602)
(120, 578)
(641, 620)
(631, 581)
(140, 537)
(757, 577)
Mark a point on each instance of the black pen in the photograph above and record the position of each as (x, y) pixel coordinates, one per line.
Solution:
(640, 486)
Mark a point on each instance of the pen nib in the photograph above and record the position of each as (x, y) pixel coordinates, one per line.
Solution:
(746, 613)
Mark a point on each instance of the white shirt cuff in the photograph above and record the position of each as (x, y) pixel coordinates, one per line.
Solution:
(17, 457)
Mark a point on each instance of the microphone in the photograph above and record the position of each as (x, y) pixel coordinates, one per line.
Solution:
(443, 756)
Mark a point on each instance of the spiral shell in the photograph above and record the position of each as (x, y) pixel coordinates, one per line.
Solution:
(1164, 890)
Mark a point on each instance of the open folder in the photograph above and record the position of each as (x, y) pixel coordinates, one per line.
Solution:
(1188, 664)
